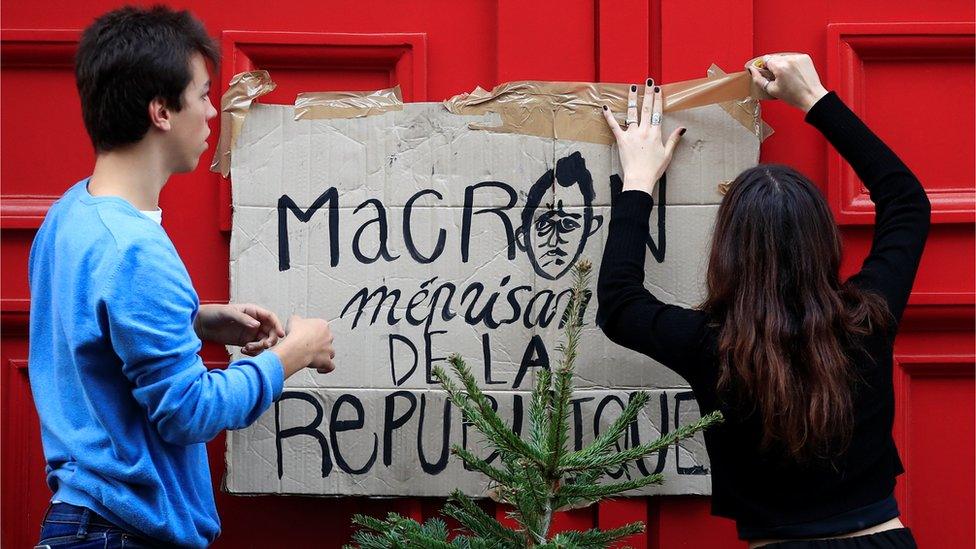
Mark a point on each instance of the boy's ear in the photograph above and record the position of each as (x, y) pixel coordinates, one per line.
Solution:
(159, 114)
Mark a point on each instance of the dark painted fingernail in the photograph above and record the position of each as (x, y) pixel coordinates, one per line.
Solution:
(683, 130)
(633, 88)
(604, 107)
(650, 82)
(657, 89)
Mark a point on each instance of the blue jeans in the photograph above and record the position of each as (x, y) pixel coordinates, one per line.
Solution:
(67, 525)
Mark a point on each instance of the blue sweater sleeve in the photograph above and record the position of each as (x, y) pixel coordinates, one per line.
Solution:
(150, 306)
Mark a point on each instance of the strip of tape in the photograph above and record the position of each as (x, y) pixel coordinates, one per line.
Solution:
(560, 110)
(244, 88)
(315, 105)
(745, 110)
(573, 110)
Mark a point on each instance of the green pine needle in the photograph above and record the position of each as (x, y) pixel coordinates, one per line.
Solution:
(595, 538)
(503, 435)
(599, 491)
(607, 440)
(539, 412)
(580, 461)
(464, 510)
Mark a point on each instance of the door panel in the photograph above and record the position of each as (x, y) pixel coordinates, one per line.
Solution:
(912, 80)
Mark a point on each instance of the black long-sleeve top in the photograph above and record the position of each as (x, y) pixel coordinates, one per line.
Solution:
(757, 489)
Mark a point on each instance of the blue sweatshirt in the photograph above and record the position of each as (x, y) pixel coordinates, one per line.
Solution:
(125, 402)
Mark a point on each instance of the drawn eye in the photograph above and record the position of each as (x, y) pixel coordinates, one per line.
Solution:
(567, 224)
(545, 222)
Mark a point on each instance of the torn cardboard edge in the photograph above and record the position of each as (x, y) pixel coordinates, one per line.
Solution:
(558, 110)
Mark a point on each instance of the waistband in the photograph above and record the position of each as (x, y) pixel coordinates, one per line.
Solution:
(843, 523)
(67, 513)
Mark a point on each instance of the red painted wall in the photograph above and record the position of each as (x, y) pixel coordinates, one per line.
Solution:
(907, 68)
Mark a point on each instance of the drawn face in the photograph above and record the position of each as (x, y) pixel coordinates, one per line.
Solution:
(553, 237)
(551, 227)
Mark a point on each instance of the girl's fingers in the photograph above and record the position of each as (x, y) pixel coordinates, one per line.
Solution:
(648, 104)
(612, 122)
(760, 85)
(672, 143)
(632, 106)
(773, 64)
(657, 115)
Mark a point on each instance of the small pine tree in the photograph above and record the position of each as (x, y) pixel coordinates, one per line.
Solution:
(538, 476)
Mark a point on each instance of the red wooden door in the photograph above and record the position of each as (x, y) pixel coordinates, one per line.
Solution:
(906, 67)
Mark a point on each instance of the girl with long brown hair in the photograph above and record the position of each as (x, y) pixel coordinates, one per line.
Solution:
(798, 361)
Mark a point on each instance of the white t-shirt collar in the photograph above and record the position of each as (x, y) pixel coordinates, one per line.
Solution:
(156, 215)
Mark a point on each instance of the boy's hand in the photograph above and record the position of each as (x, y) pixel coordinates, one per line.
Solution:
(308, 345)
(246, 325)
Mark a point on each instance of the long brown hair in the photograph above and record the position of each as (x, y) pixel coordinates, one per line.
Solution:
(786, 323)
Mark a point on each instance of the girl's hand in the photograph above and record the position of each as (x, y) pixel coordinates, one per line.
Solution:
(790, 77)
(644, 156)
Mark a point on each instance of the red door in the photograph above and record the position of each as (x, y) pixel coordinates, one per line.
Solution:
(907, 68)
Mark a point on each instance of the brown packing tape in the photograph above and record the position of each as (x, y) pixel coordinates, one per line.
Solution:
(316, 105)
(745, 110)
(243, 89)
(573, 110)
(563, 110)
(689, 94)
(559, 110)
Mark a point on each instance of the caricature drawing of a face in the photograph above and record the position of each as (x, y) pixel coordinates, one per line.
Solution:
(550, 228)
(552, 237)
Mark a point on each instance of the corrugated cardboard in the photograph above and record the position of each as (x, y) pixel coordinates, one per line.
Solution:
(469, 262)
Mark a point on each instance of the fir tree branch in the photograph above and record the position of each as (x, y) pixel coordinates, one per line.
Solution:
(538, 411)
(374, 523)
(595, 538)
(605, 462)
(464, 510)
(557, 424)
(604, 442)
(498, 433)
(528, 492)
(468, 542)
(599, 491)
(400, 532)
(460, 399)
(529, 514)
(587, 477)
(478, 464)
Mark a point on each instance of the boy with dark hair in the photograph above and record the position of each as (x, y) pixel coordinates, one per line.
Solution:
(125, 403)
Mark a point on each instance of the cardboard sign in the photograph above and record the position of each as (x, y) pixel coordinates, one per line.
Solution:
(416, 237)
